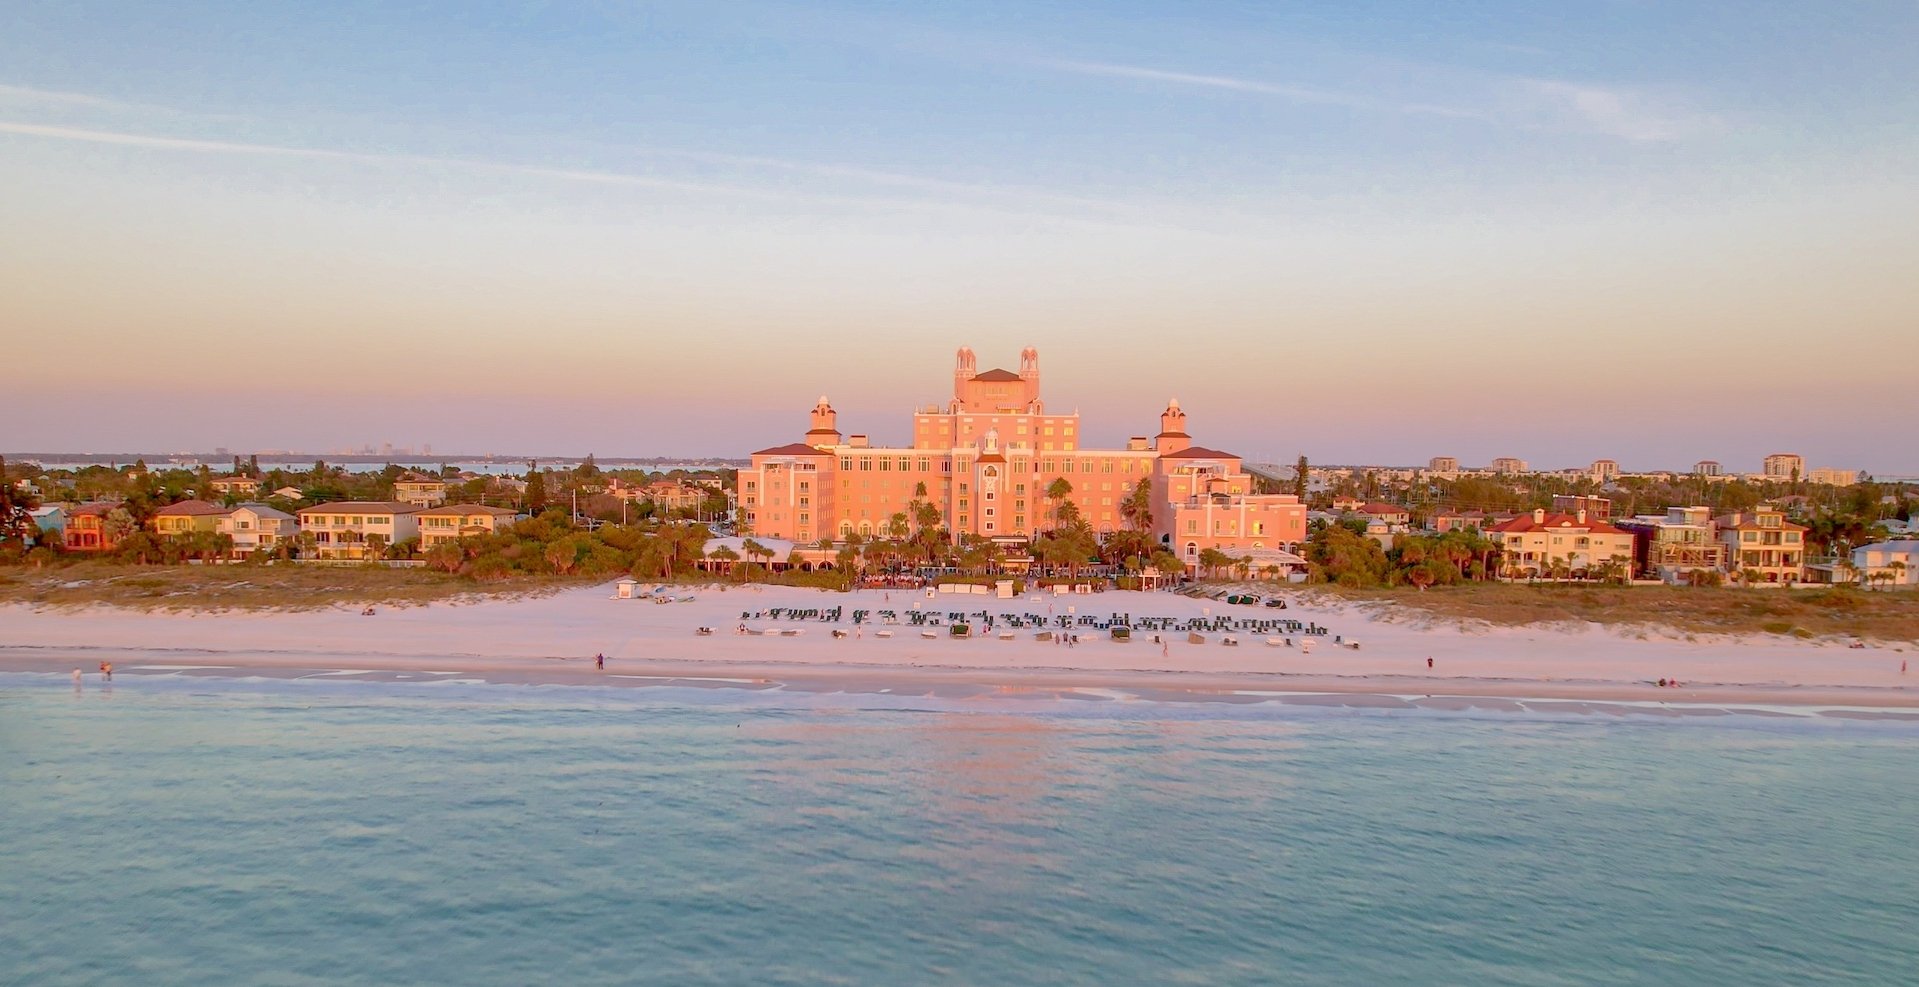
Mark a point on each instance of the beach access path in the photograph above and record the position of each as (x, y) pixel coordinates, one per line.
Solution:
(555, 638)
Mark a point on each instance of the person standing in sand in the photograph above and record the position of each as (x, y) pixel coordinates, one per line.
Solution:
(599, 661)
(1429, 661)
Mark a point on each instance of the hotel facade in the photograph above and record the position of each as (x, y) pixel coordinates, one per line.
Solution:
(986, 460)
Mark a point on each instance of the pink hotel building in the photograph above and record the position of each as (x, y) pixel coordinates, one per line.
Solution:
(987, 458)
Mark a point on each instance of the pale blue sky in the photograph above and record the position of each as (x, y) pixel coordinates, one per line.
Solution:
(1369, 232)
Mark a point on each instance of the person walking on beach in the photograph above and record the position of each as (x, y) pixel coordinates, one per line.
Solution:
(599, 661)
(1429, 661)
(106, 669)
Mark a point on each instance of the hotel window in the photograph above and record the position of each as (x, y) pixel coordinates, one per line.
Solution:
(805, 485)
(866, 464)
(1192, 527)
(1049, 430)
(964, 520)
(846, 462)
(886, 465)
(962, 503)
(804, 517)
(1019, 505)
(1106, 466)
(989, 512)
(925, 465)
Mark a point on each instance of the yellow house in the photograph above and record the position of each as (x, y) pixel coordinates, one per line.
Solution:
(341, 529)
(1538, 543)
(452, 522)
(187, 517)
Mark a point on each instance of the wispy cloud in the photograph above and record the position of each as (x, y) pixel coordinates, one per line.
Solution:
(1532, 104)
(958, 197)
(1618, 112)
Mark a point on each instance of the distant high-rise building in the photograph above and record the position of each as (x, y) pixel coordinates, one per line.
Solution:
(1443, 464)
(1784, 466)
(1832, 477)
(1603, 470)
(1509, 466)
(1706, 467)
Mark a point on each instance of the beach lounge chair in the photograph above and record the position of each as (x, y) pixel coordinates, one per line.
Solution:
(882, 633)
(1043, 636)
(1231, 642)
(929, 634)
(1194, 638)
(1006, 635)
(1275, 642)
(704, 631)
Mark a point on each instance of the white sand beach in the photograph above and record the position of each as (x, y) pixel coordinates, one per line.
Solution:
(554, 639)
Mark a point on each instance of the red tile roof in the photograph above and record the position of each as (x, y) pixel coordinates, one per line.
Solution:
(998, 375)
(1376, 507)
(790, 449)
(1199, 452)
(1525, 522)
(190, 508)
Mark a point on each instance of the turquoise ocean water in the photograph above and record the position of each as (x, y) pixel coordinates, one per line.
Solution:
(207, 831)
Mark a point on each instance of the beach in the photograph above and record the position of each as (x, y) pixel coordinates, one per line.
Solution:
(554, 640)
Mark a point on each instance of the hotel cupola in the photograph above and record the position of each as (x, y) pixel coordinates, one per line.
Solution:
(1172, 435)
(825, 430)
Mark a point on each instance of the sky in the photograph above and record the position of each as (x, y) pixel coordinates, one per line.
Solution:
(1370, 233)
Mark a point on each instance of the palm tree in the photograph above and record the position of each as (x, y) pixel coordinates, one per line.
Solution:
(726, 555)
(756, 550)
(1057, 492)
(1896, 571)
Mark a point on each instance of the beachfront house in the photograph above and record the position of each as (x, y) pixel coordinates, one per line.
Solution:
(1554, 545)
(1676, 546)
(452, 522)
(187, 517)
(257, 528)
(1763, 542)
(419, 489)
(49, 523)
(354, 529)
(88, 529)
(1887, 563)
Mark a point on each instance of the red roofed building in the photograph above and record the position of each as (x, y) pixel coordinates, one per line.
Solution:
(1764, 542)
(986, 461)
(1543, 544)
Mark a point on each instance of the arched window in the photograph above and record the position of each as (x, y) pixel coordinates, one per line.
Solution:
(1192, 549)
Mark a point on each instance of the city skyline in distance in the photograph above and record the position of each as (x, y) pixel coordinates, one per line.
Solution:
(1655, 235)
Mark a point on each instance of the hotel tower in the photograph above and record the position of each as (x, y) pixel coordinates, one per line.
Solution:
(987, 458)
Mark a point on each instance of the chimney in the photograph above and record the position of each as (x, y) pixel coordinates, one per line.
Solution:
(1539, 516)
(1580, 516)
